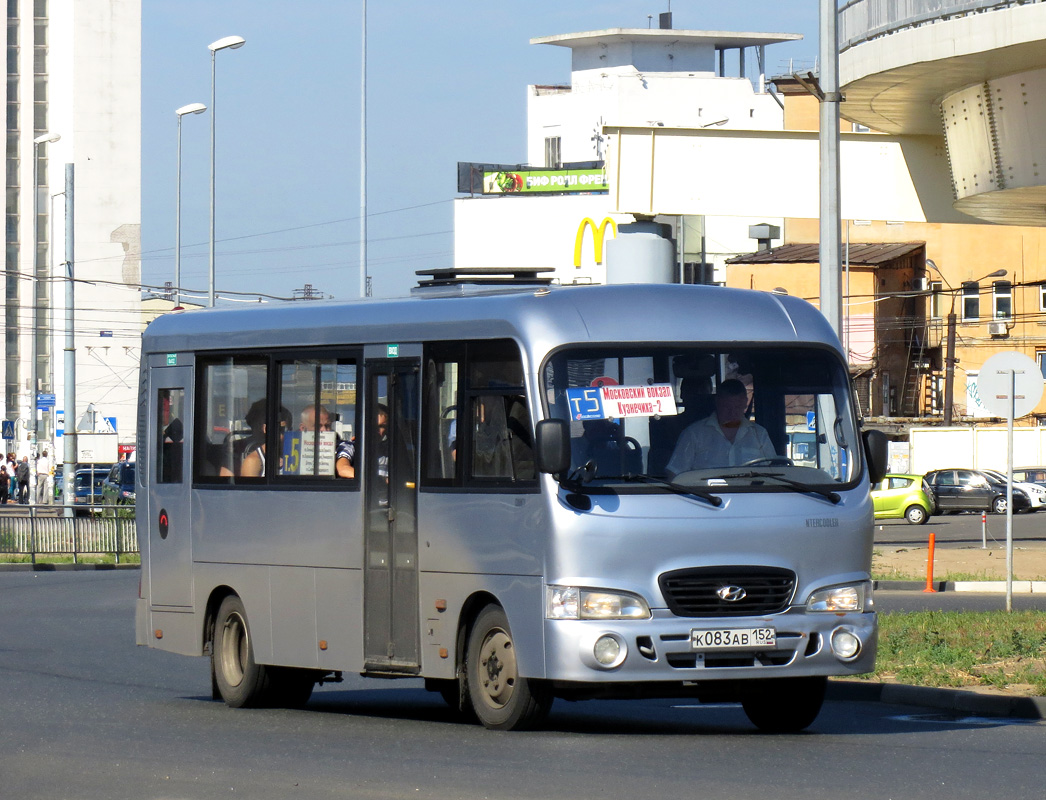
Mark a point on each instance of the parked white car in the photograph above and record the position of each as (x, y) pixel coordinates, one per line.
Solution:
(1035, 492)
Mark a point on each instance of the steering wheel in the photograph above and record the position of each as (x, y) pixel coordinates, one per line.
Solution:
(631, 444)
(770, 461)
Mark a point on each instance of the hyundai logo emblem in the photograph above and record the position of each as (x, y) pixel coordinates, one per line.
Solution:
(731, 594)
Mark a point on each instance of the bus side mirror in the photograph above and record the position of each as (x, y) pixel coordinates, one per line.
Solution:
(553, 446)
(877, 450)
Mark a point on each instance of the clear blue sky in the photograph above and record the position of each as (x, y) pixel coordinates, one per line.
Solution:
(446, 83)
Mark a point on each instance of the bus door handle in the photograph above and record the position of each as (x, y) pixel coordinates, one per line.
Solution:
(391, 513)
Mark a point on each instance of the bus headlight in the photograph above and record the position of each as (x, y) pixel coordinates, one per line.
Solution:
(846, 644)
(854, 597)
(573, 602)
(609, 650)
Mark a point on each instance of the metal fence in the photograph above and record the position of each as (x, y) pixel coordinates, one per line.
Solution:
(863, 20)
(45, 530)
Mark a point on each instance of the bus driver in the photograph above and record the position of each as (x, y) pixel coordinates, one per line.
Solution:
(725, 438)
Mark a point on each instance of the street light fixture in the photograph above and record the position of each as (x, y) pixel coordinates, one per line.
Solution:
(192, 108)
(34, 367)
(949, 358)
(228, 43)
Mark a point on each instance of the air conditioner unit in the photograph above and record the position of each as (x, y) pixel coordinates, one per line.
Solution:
(998, 329)
(922, 284)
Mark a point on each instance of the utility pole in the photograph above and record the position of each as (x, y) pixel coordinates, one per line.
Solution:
(830, 234)
(69, 434)
(949, 365)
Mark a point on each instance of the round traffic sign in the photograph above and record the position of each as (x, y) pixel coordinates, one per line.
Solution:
(1010, 377)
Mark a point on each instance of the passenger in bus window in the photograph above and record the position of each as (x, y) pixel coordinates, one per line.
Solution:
(345, 465)
(725, 438)
(253, 463)
(308, 419)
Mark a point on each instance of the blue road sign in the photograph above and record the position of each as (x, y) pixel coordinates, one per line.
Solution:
(9, 429)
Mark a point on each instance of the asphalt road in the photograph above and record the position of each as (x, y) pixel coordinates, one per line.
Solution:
(963, 530)
(85, 714)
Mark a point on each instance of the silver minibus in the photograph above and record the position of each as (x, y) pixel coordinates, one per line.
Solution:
(518, 492)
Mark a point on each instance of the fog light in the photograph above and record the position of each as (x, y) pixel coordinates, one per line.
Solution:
(608, 651)
(845, 644)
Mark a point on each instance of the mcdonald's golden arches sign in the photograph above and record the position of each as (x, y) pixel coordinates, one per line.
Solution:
(598, 234)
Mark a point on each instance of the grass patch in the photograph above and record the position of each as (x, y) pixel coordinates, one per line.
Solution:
(67, 558)
(964, 649)
(893, 574)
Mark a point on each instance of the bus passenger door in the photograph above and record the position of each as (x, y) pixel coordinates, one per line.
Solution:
(168, 475)
(391, 435)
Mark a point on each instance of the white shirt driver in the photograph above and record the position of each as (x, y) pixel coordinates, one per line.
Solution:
(703, 444)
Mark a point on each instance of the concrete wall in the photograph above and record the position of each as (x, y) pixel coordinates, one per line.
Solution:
(974, 448)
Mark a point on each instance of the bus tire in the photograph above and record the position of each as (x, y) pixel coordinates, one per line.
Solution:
(785, 705)
(501, 699)
(242, 682)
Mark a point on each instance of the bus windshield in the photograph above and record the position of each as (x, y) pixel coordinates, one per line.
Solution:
(720, 418)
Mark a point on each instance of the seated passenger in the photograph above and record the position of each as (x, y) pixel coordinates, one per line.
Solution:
(345, 455)
(253, 464)
(723, 439)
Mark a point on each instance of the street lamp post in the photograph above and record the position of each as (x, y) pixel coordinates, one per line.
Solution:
(192, 108)
(949, 352)
(228, 43)
(34, 367)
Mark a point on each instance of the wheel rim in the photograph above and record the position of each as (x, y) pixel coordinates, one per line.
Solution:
(916, 515)
(234, 649)
(497, 669)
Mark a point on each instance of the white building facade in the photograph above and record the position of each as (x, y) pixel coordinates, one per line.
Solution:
(74, 72)
(624, 77)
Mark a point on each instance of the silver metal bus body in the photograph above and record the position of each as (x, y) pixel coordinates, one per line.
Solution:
(741, 581)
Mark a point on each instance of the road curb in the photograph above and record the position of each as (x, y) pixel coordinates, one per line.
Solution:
(64, 567)
(967, 701)
(984, 587)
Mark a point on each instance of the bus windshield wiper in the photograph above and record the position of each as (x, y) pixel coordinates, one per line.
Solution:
(691, 491)
(827, 494)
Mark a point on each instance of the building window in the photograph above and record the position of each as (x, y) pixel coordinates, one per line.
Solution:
(553, 158)
(1042, 297)
(1040, 357)
(971, 301)
(1002, 300)
(935, 300)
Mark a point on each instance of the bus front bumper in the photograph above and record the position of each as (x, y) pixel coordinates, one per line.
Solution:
(671, 648)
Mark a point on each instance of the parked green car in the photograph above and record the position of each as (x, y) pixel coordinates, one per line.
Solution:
(903, 497)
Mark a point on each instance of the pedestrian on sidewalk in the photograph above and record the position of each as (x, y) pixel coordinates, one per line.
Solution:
(44, 487)
(22, 476)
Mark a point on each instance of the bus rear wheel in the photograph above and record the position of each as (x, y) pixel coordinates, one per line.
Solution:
(784, 705)
(242, 683)
(502, 699)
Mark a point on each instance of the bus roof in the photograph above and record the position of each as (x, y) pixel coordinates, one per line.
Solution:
(540, 317)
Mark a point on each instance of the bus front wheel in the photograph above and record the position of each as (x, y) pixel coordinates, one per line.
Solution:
(784, 705)
(502, 699)
(242, 683)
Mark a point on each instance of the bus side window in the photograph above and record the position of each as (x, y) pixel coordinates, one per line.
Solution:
(440, 418)
(319, 397)
(169, 428)
(230, 387)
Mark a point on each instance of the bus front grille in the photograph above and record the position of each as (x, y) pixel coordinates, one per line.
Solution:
(727, 591)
